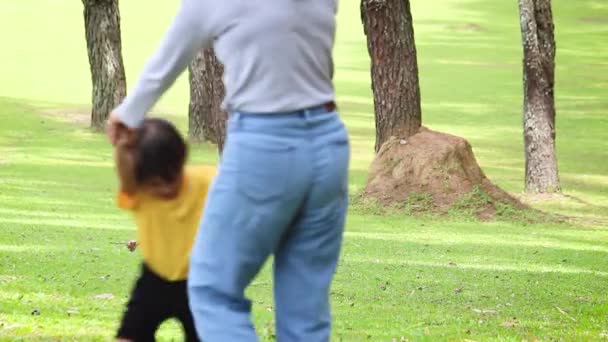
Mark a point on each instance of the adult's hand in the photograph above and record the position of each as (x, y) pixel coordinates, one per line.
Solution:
(112, 128)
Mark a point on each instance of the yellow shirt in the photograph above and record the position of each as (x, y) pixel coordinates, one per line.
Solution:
(166, 227)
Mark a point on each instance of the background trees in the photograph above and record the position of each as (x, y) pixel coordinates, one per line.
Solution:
(394, 69)
(206, 119)
(102, 28)
(388, 26)
(537, 32)
(424, 169)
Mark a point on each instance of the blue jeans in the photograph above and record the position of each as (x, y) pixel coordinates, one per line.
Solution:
(281, 189)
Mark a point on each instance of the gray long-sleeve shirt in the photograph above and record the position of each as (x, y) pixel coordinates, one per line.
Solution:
(277, 54)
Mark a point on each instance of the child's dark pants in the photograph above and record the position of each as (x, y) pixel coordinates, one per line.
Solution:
(154, 300)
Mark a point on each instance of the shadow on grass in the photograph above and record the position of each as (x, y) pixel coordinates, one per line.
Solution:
(500, 243)
(46, 223)
(525, 256)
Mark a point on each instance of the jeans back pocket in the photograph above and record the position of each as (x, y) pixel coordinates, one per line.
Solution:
(263, 170)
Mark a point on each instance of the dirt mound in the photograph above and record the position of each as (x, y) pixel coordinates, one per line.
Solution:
(439, 166)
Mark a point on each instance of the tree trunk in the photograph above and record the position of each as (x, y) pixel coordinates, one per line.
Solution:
(207, 121)
(102, 27)
(394, 68)
(217, 94)
(199, 107)
(538, 39)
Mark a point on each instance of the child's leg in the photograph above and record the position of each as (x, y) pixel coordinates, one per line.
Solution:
(146, 309)
(189, 328)
(184, 315)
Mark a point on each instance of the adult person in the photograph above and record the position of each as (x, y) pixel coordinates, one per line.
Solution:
(281, 187)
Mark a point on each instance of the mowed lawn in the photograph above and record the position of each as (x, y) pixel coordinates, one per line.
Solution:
(400, 277)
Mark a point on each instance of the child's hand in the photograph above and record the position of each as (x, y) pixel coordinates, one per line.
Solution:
(131, 245)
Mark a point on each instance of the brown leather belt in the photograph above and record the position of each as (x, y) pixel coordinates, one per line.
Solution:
(330, 106)
(327, 107)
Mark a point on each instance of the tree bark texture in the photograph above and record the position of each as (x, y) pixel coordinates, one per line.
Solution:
(102, 28)
(394, 68)
(538, 40)
(207, 121)
(199, 107)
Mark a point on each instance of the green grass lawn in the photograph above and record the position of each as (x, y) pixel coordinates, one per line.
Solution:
(416, 278)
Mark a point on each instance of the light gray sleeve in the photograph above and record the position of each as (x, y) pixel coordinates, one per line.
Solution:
(188, 33)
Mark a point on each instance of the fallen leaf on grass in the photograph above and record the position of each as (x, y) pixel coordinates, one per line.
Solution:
(104, 296)
(268, 331)
(10, 326)
(485, 311)
(565, 313)
(531, 338)
(7, 278)
(458, 290)
(509, 324)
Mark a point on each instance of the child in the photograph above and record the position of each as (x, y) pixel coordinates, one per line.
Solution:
(166, 200)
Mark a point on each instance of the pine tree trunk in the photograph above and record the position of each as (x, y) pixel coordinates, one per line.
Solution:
(394, 68)
(539, 106)
(199, 107)
(218, 116)
(207, 121)
(102, 27)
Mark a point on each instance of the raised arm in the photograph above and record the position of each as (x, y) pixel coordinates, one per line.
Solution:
(125, 163)
(188, 33)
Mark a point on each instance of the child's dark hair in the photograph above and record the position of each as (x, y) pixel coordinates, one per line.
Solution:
(160, 151)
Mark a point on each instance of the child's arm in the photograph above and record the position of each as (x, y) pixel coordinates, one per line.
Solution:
(125, 163)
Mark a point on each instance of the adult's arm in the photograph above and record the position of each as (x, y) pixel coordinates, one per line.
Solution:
(189, 32)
